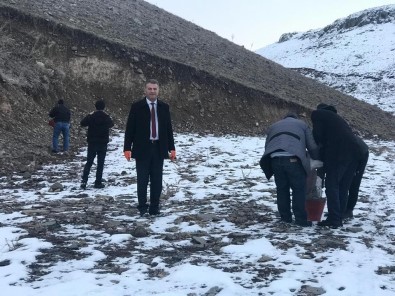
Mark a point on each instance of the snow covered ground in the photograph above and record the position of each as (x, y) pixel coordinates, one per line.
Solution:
(218, 234)
(357, 60)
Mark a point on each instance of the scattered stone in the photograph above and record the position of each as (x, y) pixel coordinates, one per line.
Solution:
(385, 270)
(265, 258)
(208, 217)
(112, 224)
(50, 225)
(354, 229)
(27, 175)
(311, 291)
(331, 243)
(5, 262)
(35, 212)
(139, 231)
(200, 241)
(213, 291)
(56, 187)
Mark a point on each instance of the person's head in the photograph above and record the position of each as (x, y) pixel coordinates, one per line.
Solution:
(152, 89)
(323, 106)
(61, 102)
(292, 115)
(100, 105)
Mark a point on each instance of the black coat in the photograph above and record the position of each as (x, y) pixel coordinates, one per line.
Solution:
(60, 113)
(335, 136)
(99, 124)
(137, 134)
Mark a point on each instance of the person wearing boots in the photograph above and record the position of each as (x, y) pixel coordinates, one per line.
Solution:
(286, 157)
(98, 136)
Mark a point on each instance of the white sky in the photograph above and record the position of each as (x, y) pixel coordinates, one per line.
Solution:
(257, 23)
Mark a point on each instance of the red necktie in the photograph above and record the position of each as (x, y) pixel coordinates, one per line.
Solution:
(153, 121)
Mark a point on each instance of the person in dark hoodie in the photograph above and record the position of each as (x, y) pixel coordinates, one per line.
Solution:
(61, 115)
(340, 154)
(99, 124)
(353, 192)
(286, 157)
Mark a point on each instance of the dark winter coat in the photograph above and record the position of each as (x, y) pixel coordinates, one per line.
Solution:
(137, 134)
(290, 135)
(334, 135)
(60, 113)
(99, 124)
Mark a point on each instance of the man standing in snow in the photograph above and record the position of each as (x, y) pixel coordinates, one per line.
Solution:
(286, 157)
(340, 154)
(356, 181)
(99, 124)
(149, 140)
(61, 115)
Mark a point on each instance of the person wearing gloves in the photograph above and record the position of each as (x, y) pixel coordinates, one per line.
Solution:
(286, 157)
(149, 140)
(98, 136)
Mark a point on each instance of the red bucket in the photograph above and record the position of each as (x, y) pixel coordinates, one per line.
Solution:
(315, 208)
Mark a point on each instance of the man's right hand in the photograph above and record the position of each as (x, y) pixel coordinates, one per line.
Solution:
(128, 155)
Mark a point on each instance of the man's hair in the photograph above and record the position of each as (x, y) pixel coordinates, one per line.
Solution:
(100, 105)
(323, 106)
(61, 102)
(152, 81)
(291, 114)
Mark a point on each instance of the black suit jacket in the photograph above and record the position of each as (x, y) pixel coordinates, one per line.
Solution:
(137, 134)
(335, 136)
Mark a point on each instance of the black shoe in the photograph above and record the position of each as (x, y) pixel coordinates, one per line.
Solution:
(331, 224)
(304, 223)
(83, 185)
(54, 151)
(99, 185)
(154, 212)
(143, 212)
(348, 215)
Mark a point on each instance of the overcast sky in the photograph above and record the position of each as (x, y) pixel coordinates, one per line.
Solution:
(257, 23)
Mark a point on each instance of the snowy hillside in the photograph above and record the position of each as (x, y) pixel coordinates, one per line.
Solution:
(355, 55)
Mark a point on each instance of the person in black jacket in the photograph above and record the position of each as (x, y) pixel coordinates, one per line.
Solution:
(340, 155)
(61, 115)
(99, 124)
(149, 140)
(356, 181)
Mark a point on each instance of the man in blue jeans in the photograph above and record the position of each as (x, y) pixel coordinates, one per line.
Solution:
(286, 157)
(61, 115)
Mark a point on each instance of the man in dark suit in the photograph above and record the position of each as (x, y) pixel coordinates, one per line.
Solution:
(149, 140)
(340, 155)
